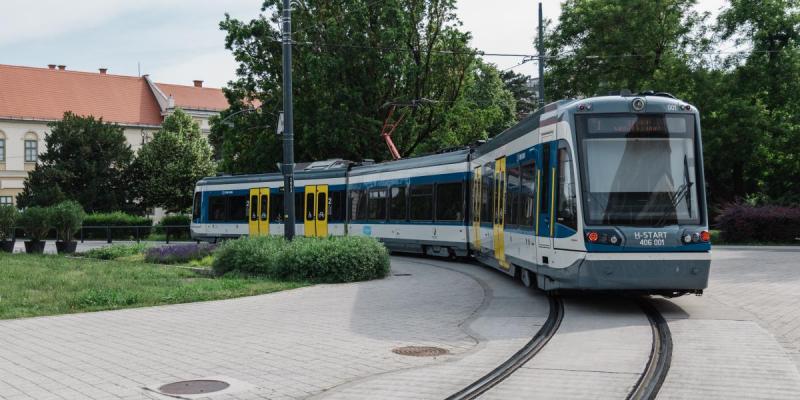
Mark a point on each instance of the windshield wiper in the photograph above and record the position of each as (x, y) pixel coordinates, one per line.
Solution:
(684, 192)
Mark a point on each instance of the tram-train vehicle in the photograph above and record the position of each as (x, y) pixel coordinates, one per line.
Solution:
(602, 193)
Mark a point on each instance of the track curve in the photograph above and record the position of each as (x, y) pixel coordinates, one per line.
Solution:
(519, 358)
(655, 373)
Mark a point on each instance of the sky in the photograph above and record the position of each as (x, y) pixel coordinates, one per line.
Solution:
(177, 41)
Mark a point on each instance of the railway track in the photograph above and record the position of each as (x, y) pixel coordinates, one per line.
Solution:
(646, 387)
(497, 375)
(655, 372)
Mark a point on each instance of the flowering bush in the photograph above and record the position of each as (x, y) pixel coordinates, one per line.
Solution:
(179, 253)
(744, 223)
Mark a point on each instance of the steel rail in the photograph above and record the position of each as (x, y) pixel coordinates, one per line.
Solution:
(655, 373)
(519, 358)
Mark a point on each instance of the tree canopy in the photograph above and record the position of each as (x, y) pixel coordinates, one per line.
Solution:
(85, 160)
(167, 167)
(352, 62)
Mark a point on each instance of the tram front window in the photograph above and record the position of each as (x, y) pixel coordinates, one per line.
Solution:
(639, 169)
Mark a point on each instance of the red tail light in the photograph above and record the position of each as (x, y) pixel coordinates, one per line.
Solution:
(592, 236)
(705, 236)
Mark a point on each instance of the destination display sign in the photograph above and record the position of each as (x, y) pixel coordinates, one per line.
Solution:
(628, 124)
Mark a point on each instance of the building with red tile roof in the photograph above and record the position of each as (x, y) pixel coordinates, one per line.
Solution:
(31, 97)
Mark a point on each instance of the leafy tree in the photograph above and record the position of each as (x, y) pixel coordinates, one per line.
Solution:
(608, 45)
(352, 60)
(517, 84)
(168, 166)
(85, 160)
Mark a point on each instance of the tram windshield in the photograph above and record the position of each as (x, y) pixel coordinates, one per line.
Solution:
(638, 169)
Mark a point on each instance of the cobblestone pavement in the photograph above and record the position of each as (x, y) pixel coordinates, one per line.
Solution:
(290, 344)
(727, 343)
(335, 341)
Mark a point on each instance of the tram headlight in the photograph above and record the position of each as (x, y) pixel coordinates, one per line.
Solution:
(687, 238)
(613, 239)
(696, 237)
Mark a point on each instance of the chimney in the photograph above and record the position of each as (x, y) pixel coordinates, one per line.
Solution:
(51, 66)
(198, 83)
(62, 67)
(103, 71)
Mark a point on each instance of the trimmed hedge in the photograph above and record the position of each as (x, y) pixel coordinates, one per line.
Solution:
(326, 260)
(744, 223)
(116, 219)
(174, 233)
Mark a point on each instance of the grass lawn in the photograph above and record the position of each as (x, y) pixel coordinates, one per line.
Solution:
(32, 285)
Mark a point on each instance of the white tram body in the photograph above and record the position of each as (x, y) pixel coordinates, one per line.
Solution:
(604, 193)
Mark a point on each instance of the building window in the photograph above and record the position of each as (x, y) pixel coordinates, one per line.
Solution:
(6, 200)
(31, 151)
(2, 149)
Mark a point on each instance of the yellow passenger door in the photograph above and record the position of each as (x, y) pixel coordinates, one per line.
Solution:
(499, 202)
(253, 204)
(263, 211)
(309, 216)
(476, 208)
(322, 211)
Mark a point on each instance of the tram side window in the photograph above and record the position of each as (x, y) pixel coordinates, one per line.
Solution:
(299, 207)
(237, 208)
(527, 194)
(358, 205)
(276, 208)
(377, 204)
(567, 210)
(197, 205)
(545, 187)
(264, 206)
(487, 192)
(450, 202)
(216, 208)
(397, 203)
(512, 196)
(421, 202)
(336, 206)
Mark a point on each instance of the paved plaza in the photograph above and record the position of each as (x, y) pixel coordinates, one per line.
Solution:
(739, 340)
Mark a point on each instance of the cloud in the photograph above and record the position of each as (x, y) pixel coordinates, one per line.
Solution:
(215, 68)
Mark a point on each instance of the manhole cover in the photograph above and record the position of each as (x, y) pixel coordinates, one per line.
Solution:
(402, 274)
(420, 351)
(194, 387)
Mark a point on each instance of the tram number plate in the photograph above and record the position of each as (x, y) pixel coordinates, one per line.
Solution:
(653, 238)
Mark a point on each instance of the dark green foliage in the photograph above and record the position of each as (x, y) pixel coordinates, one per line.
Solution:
(332, 259)
(85, 160)
(66, 217)
(517, 84)
(115, 251)
(767, 224)
(168, 166)
(177, 220)
(35, 221)
(8, 220)
(351, 59)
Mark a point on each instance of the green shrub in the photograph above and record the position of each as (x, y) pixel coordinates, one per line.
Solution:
(36, 222)
(8, 220)
(119, 220)
(115, 251)
(67, 217)
(332, 259)
(179, 220)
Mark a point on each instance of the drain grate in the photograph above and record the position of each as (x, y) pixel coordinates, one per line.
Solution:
(420, 351)
(194, 387)
(402, 274)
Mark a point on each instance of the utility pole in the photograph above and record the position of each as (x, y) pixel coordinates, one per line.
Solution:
(288, 124)
(541, 58)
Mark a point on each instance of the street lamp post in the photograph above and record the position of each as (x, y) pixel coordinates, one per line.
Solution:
(288, 126)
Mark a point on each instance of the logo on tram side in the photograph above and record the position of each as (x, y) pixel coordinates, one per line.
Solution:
(650, 238)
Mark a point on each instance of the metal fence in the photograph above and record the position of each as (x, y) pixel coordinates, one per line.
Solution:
(126, 233)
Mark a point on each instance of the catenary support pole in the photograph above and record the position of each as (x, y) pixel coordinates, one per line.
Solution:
(541, 58)
(288, 124)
